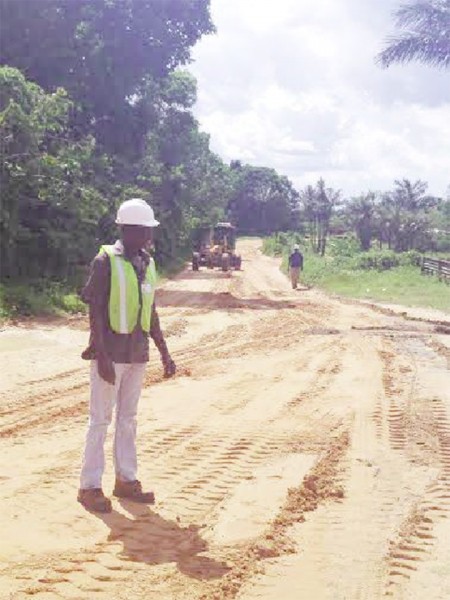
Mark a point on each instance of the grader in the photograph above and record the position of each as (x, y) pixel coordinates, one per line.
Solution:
(216, 248)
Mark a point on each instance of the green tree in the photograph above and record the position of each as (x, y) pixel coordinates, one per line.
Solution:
(188, 184)
(117, 59)
(50, 205)
(263, 201)
(105, 53)
(425, 34)
(361, 214)
(319, 203)
(404, 214)
(439, 226)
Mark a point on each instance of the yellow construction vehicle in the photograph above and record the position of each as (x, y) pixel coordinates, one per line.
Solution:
(218, 249)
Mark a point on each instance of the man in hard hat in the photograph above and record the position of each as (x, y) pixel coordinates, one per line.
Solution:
(120, 293)
(295, 265)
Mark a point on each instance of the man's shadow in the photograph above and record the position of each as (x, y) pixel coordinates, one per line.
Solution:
(150, 539)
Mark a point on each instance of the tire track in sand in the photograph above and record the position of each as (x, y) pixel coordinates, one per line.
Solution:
(425, 439)
(196, 468)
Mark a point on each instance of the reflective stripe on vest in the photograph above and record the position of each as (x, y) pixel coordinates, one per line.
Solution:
(124, 297)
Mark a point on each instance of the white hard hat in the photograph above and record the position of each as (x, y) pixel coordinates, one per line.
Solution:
(296, 247)
(136, 212)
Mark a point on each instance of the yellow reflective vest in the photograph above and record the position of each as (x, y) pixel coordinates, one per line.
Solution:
(125, 301)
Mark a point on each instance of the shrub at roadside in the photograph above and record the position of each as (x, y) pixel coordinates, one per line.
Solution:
(38, 298)
(380, 275)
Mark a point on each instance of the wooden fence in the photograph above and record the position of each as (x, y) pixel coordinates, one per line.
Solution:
(434, 266)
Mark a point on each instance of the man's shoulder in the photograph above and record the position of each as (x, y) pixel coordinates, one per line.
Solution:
(98, 277)
(101, 256)
(101, 260)
(100, 265)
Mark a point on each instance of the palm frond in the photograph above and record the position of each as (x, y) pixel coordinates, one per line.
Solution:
(423, 14)
(426, 35)
(413, 47)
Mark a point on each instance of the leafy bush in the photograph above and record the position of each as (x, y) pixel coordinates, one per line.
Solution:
(38, 298)
(22, 300)
(382, 275)
(281, 242)
(382, 260)
(343, 254)
(70, 303)
(345, 246)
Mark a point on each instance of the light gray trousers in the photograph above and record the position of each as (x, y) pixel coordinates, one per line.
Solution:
(124, 395)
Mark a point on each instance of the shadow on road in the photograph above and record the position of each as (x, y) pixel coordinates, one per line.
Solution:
(220, 301)
(204, 274)
(150, 539)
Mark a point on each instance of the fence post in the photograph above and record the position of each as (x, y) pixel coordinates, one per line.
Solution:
(434, 266)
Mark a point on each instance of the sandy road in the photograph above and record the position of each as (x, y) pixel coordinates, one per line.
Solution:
(303, 452)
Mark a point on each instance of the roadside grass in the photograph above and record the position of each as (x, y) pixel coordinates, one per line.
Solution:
(42, 297)
(400, 285)
(377, 275)
(51, 298)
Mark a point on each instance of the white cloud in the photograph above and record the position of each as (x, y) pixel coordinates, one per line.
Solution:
(293, 85)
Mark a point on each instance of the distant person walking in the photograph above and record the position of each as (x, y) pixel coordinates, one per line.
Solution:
(295, 265)
(120, 293)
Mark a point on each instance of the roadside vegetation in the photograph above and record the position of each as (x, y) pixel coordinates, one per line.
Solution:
(96, 117)
(38, 298)
(77, 137)
(378, 275)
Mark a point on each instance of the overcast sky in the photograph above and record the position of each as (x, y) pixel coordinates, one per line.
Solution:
(293, 85)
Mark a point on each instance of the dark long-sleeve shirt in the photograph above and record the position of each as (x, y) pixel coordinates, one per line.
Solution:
(121, 348)
(296, 260)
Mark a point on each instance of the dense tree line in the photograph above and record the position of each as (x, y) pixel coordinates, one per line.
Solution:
(404, 218)
(401, 219)
(95, 107)
(262, 201)
(319, 204)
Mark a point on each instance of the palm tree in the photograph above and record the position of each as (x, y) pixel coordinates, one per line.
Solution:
(319, 203)
(424, 36)
(361, 213)
(405, 214)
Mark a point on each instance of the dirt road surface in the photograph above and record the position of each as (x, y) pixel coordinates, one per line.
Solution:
(302, 452)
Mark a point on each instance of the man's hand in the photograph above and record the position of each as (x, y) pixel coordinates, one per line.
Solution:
(170, 367)
(106, 369)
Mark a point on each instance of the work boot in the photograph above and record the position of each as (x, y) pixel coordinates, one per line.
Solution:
(94, 500)
(132, 490)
